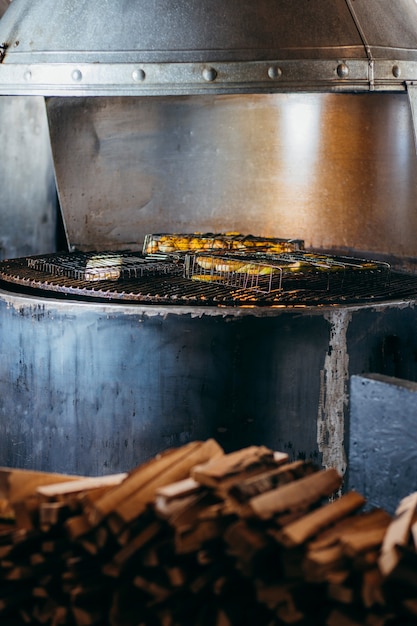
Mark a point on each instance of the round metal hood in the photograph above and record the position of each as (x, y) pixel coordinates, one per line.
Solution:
(164, 47)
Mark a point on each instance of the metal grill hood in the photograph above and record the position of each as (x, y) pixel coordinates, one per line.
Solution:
(162, 47)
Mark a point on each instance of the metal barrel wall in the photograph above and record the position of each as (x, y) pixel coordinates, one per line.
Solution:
(94, 389)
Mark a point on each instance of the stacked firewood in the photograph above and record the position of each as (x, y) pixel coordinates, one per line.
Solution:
(197, 537)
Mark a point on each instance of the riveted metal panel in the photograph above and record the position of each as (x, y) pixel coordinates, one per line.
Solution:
(58, 47)
(177, 30)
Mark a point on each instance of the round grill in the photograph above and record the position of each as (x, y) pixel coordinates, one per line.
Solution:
(134, 278)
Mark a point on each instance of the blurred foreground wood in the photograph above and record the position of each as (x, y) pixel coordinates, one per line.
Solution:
(196, 537)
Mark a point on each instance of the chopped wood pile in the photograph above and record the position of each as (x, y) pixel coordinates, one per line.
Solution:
(197, 537)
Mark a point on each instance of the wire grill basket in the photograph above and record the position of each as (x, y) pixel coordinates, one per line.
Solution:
(234, 271)
(96, 266)
(171, 243)
(287, 271)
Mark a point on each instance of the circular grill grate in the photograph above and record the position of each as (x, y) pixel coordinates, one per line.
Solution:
(163, 282)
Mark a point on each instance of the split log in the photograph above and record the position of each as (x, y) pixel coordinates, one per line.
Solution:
(130, 498)
(398, 534)
(296, 496)
(219, 473)
(309, 525)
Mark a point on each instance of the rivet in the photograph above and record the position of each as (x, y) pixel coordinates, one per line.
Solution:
(396, 71)
(274, 72)
(209, 74)
(342, 70)
(139, 75)
(76, 75)
(27, 75)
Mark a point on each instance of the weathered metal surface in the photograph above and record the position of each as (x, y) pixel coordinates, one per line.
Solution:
(27, 186)
(338, 171)
(4, 4)
(412, 96)
(93, 388)
(183, 46)
(28, 201)
(383, 439)
(28, 198)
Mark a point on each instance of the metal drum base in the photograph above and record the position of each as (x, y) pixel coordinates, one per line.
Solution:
(93, 388)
